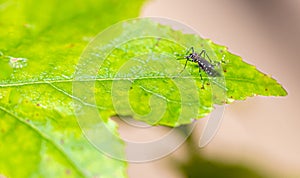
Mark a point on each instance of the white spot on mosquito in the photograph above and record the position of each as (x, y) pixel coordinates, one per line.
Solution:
(17, 63)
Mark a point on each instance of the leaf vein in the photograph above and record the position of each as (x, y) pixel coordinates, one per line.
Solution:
(46, 138)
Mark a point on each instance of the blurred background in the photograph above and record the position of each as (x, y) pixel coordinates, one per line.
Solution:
(259, 137)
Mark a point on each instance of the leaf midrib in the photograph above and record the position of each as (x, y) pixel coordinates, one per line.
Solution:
(37, 82)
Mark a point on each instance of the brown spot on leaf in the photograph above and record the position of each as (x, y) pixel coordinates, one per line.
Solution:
(71, 45)
(68, 171)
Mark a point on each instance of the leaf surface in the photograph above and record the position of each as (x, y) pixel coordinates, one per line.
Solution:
(139, 75)
(139, 78)
(40, 43)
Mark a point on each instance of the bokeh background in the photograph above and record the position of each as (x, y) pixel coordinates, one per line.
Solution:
(259, 137)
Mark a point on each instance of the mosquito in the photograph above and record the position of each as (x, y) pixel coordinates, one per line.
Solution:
(203, 64)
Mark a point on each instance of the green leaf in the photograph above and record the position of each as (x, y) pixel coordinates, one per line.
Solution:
(40, 42)
(40, 45)
(139, 75)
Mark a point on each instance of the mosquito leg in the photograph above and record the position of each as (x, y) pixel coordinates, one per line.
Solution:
(205, 55)
(200, 73)
(188, 51)
(183, 67)
(187, 58)
(192, 48)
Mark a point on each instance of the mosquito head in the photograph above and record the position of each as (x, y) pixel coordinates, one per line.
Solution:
(191, 57)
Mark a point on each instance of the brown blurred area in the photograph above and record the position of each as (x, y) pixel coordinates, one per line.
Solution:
(262, 133)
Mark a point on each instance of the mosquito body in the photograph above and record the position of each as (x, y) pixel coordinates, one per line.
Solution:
(203, 64)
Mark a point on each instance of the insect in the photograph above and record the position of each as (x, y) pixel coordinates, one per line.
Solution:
(203, 64)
